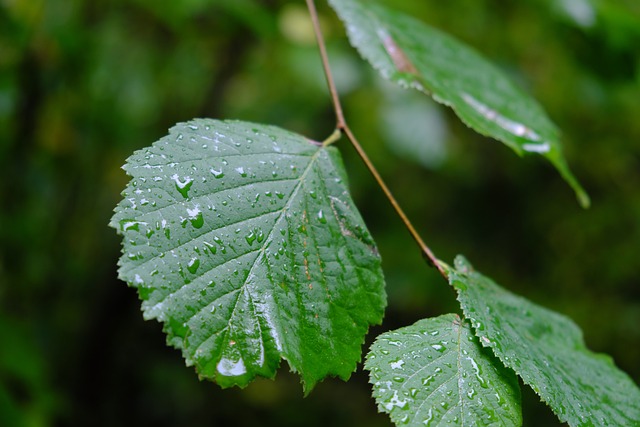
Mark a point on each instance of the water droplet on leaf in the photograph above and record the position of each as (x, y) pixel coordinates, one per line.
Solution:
(321, 217)
(216, 173)
(251, 237)
(193, 265)
(183, 187)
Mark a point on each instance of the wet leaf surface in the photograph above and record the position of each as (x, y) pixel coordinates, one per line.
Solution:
(243, 240)
(436, 373)
(547, 351)
(412, 54)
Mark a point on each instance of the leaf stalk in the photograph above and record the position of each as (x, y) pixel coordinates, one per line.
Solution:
(335, 136)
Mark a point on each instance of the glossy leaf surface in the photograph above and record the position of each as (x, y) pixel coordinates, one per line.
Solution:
(436, 373)
(547, 350)
(411, 53)
(244, 241)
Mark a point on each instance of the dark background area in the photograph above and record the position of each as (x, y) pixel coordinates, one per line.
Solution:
(85, 83)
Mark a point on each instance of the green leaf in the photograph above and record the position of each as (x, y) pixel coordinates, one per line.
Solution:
(244, 241)
(435, 372)
(548, 352)
(407, 51)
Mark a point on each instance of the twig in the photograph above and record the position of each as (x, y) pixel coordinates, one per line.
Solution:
(426, 251)
(341, 122)
(342, 127)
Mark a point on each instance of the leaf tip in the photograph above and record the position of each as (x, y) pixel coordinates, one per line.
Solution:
(308, 384)
(561, 165)
(583, 198)
(462, 264)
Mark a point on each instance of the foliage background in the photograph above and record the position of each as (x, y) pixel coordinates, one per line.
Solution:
(84, 83)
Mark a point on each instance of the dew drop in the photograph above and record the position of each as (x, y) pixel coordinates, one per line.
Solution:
(478, 372)
(197, 221)
(216, 173)
(195, 217)
(397, 364)
(438, 347)
(427, 381)
(193, 265)
(250, 238)
(427, 421)
(230, 368)
(321, 217)
(127, 224)
(210, 247)
(183, 187)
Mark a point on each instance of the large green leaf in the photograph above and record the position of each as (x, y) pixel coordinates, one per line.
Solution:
(435, 372)
(548, 352)
(409, 52)
(243, 240)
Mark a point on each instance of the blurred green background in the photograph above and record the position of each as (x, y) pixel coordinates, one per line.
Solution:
(84, 83)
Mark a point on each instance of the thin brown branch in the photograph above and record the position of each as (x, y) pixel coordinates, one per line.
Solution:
(340, 121)
(342, 127)
(426, 251)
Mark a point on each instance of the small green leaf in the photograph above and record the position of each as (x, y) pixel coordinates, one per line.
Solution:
(244, 241)
(548, 352)
(435, 372)
(412, 54)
